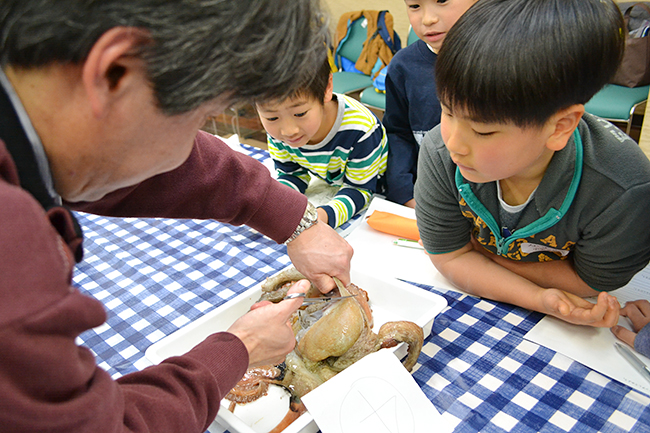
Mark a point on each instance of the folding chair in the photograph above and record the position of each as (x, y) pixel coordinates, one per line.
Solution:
(350, 48)
(370, 97)
(617, 103)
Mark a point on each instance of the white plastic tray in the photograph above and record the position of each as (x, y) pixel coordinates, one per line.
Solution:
(390, 301)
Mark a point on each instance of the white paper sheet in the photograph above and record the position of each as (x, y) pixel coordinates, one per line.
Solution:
(594, 347)
(374, 395)
(375, 250)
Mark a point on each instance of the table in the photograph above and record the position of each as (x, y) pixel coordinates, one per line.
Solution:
(156, 275)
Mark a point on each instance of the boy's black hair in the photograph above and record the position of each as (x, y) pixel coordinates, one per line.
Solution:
(313, 86)
(521, 61)
(316, 87)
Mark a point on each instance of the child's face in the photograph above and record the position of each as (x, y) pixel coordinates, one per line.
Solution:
(432, 19)
(295, 121)
(485, 152)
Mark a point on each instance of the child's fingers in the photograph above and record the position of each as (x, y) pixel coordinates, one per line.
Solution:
(612, 313)
(638, 309)
(623, 334)
(599, 310)
(644, 307)
(632, 312)
(563, 307)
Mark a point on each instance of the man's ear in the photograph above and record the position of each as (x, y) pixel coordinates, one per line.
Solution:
(563, 124)
(110, 66)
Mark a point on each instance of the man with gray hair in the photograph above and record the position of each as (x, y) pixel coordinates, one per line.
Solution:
(101, 102)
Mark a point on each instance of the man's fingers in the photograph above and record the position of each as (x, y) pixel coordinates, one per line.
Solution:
(260, 304)
(344, 278)
(291, 305)
(324, 283)
(299, 287)
(623, 334)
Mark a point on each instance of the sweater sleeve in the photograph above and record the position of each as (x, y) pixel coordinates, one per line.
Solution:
(49, 383)
(215, 182)
(402, 146)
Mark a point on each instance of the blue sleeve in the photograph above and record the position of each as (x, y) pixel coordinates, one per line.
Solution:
(292, 175)
(288, 172)
(642, 341)
(402, 146)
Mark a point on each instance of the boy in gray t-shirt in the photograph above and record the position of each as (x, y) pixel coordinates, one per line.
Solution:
(521, 196)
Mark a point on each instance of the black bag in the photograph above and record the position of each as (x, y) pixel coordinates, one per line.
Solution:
(634, 70)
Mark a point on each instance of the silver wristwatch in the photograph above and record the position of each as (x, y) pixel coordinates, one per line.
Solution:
(308, 219)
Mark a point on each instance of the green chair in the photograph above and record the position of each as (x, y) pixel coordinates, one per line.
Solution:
(372, 98)
(617, 103)
(350, 48)
(412, 36)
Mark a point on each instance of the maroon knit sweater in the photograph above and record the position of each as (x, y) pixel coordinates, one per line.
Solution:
(47, 382)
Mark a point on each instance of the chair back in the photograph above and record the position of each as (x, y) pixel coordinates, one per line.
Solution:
(412, 36)
(351, 46)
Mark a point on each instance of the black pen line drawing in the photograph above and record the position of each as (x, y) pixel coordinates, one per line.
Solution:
(374, 405)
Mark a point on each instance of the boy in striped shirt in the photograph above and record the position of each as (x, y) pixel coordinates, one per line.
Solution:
(316, 132)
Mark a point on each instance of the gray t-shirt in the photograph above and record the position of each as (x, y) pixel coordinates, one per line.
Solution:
(592, 206)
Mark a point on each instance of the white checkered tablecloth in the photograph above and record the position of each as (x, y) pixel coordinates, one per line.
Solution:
(156, 275)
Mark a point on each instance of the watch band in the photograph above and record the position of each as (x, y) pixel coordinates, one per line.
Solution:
(309, 218)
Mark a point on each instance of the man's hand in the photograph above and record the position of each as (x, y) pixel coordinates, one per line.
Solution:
(574, 309)
(319, 253)
(639, 314)
(265, 330)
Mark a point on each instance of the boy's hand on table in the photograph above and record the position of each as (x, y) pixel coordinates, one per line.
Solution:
(320, 253)
(639, 314)
(574, 309)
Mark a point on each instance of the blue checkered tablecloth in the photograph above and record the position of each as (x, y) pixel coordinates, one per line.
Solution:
(480, 372)
(156, 275)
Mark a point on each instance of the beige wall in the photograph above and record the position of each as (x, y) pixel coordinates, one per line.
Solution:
(397, 8)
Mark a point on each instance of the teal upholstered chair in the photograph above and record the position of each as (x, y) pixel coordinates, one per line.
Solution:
(412, 36)
(377, 100)
(372, 98)
(617, 103)
(350, 48)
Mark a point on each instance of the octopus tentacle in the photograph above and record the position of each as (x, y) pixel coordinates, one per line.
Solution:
(275, 287)
(392, 333)
(254, 384)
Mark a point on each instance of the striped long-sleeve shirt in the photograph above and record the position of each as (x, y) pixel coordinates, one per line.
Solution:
(352, 156)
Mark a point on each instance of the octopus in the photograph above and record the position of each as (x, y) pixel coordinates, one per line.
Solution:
(330, 336)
